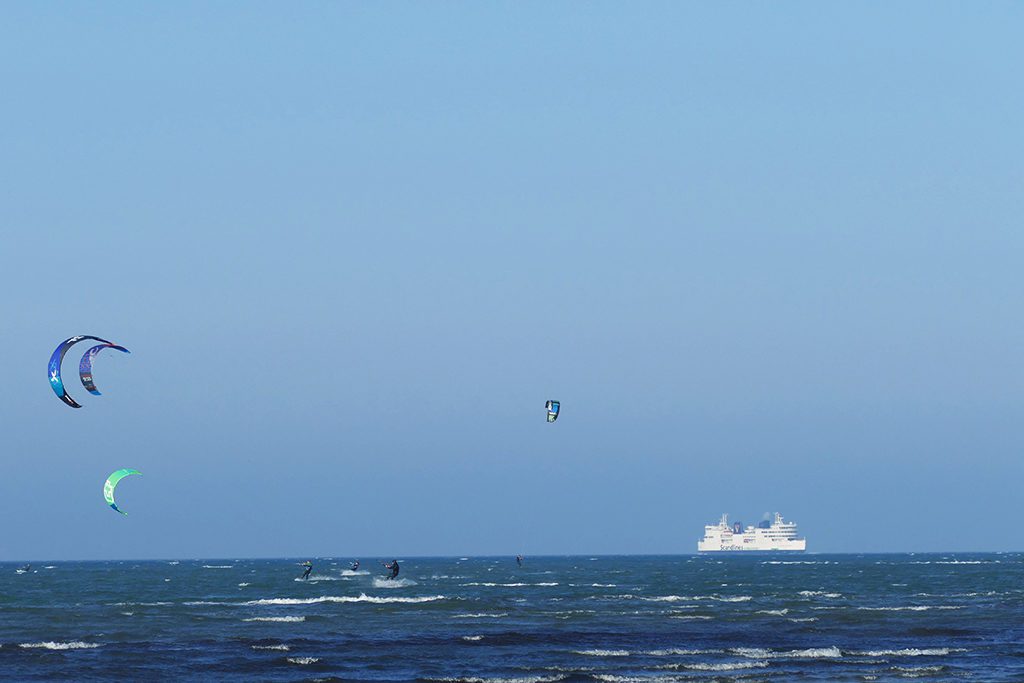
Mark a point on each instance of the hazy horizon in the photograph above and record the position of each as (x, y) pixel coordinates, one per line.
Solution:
(766, 256)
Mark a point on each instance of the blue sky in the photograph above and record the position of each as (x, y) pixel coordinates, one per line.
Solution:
(768, 256)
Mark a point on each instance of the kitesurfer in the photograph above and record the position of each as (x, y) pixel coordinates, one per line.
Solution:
(393, 566)
(355, 566)
(309, 568)
(519, 560)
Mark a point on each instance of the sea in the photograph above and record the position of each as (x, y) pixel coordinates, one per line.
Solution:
(808, 617)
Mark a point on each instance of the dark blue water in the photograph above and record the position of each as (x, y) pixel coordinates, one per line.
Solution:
(809, 617)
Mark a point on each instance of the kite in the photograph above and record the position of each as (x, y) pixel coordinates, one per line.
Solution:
(111, 484)
(85, 366)
(53, 370)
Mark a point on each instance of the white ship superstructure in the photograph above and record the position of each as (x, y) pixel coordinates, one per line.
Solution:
(777, 535)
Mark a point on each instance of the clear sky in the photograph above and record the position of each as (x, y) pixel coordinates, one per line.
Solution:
(768, 256)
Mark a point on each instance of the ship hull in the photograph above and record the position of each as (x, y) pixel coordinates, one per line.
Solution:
(777, 536)
(752, 551)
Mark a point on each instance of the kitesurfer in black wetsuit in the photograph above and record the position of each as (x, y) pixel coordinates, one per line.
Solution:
(393, 566)
(519, 560)
(355, 566)
(309, 569)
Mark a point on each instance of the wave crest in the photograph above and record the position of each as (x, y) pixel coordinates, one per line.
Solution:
(362, 597)
(53, 645)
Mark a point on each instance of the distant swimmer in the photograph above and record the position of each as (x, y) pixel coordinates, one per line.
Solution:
(309, 568)
(393, 566)
(519, 560)
(355, 566)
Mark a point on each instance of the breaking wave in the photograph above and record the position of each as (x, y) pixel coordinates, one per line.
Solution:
(909, 608)
(281, 619)
(362, 597)
(53, 645)
(489, 584)
(808, 653)
(910, 652)
(717, 666)
(521, 679)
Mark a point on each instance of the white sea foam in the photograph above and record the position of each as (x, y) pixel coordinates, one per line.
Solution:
(53, 645)
(661, 598)
(717, 666)
(281, 619)
(362, 597)
(522, 679)
(128, 614)
(244, 584)
(808, 653)
(774, 612)
(819, 594)
(174, 562)
(282, 648)
(392, 583)
(683, 598)
(358, 572)
(691, 617)
(603, 653)
(319, 577)
(916, 671)
(910, 608)
(490, 584)
(674, 652)
(218, 566)
(910, 652)
(50, 566)
(472, 638)
(303, 660)
(481, 615)
(799, 620)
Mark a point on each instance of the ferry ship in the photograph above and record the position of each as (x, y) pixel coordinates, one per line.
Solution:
(774, 536)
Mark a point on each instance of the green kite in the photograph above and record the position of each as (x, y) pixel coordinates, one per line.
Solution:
(111, 484)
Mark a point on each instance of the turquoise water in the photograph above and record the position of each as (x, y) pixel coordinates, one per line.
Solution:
(807, 617)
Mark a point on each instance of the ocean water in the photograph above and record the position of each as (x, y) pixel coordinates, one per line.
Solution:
(678, 618)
